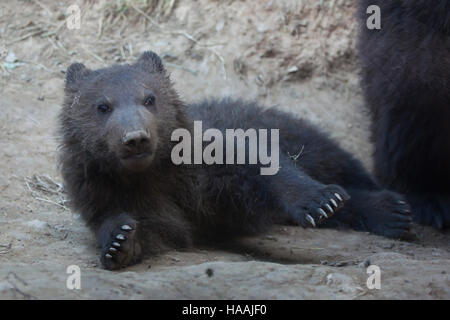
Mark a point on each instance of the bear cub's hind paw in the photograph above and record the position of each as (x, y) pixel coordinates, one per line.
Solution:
(122, 247)
(388, 214)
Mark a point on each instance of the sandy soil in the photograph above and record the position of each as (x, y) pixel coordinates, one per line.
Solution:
(298, 55)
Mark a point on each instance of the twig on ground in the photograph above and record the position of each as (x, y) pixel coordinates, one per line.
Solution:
(181, 67)
(184, 34)
(10, 279)
(94, 55)
(39, 186)
(43, 7)
(25, 37)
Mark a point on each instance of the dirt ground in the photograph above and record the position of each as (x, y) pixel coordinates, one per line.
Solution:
(298, 55)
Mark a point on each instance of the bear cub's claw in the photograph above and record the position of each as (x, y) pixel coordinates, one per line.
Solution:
(122, 249)
(313, 209)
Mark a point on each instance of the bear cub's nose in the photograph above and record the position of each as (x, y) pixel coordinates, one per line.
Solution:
(136, 141)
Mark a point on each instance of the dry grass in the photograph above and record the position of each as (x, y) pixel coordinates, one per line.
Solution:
(44, 188)
(157, 8)
(112, 41)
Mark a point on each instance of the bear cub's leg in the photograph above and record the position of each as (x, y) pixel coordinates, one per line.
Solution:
(117, 236)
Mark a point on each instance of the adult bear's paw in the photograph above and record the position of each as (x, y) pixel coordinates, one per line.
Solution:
(388, 214)
(432, 210)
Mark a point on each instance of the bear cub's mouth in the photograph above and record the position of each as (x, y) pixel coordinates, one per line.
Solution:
(137, 161)
(137, 155)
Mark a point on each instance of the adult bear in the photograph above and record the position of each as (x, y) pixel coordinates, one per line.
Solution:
(117, 126)
(406, 81)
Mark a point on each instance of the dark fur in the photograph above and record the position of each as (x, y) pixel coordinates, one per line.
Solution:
(406, 80)
(175, 206)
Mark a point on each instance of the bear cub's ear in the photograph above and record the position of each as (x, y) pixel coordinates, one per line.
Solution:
(151, 62)
(74, 73)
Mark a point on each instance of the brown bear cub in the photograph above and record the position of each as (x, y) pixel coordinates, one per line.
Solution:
(116, 128)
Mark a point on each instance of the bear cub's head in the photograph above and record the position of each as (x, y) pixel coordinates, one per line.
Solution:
(122, 115)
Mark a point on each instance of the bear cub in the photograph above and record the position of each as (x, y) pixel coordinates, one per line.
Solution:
(116, 126)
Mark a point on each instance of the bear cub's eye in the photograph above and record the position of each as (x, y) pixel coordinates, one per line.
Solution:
(149, 100)
(103, 108)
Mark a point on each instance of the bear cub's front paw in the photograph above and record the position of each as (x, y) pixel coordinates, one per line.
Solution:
(312, 209)
(122, 248)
